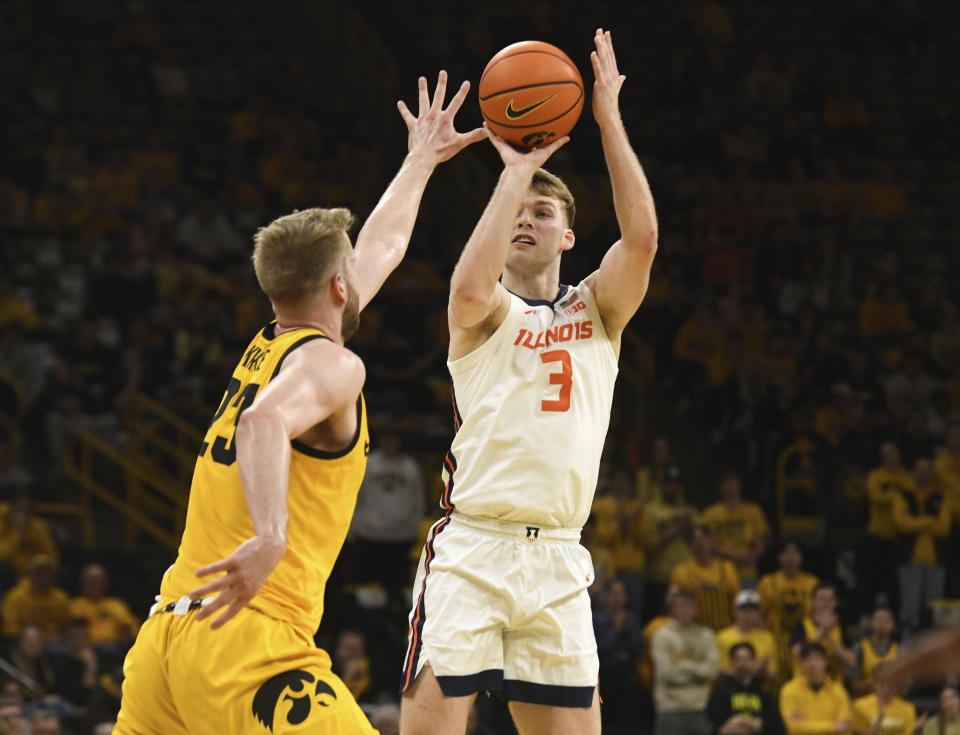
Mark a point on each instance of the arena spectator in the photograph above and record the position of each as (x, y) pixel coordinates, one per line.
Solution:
(619, 648)
(947, 720)
(876, 647)
(650, 477)
(667, 529)
(879, 553)
(645, 667)
(946, 466)
(109, 618)
(923, 517)
(619, 526)
(712, 580)
(812, 703)
(822, 627)
(391, 502)
(740, 528)
(43, 722)
(31, 659)
(883, 712)
(748, 627)
(74, 663)
(23, 535)
(685, 661)
(739, 704)
(35, 600)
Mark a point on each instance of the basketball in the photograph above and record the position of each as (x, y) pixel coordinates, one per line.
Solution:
(530, 94)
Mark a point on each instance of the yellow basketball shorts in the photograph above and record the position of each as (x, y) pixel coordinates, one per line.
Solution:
(254, 676)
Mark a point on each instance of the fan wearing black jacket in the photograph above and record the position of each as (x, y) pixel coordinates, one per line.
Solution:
(739, 705)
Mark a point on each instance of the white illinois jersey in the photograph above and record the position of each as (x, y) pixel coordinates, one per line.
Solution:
(532, 406)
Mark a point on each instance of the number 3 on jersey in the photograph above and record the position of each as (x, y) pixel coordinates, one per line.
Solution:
(564, 379)
(224, 448)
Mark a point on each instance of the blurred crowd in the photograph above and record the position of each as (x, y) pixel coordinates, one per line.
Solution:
(784, 453)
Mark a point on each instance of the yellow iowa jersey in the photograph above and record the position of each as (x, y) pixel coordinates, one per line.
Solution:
(321, 496)
(870, 657)
(737, 529)
(786, 602)
(714, 586)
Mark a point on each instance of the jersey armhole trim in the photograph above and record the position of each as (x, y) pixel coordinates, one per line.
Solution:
(295, 345)
(306, 449)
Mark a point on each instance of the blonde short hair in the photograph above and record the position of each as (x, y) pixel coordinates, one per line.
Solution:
(295, 253)
(550, 185)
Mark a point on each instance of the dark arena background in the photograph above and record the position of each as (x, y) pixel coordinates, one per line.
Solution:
(799, 344)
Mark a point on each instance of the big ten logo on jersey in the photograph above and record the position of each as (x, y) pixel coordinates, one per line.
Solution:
(564, 333)
(571, 304)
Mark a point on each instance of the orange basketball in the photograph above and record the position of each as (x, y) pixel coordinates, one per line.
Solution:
(531, 93)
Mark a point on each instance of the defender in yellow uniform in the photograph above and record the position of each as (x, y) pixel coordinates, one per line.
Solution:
(276, 481)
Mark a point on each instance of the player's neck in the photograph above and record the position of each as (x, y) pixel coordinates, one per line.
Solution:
(541, 285)
(329, 324)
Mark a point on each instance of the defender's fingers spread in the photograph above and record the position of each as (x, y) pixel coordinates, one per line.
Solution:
(405, 113)
(423, 95)
(440, 92)
(458, 98)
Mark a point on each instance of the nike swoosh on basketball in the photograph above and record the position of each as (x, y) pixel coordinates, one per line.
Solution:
(515, 114)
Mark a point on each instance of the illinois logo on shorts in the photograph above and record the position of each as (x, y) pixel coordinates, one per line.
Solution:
(291, 686)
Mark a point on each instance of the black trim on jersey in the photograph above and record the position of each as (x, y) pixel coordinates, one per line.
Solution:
(457, 418)
(320, 453)
(295, 345)
(490, 680)
(543, 302)
(554, 695)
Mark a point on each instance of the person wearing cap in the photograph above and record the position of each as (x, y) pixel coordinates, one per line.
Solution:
(748, 628)
(739, 704)
(667, 527)
(741, 528)
(885, 712)
(812, 703)
(714, 581)
(36, 600)
(685, 662)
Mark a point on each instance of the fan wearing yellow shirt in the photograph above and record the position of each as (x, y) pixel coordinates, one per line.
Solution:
(109, 618)
(879, 553)
(884, 712)
(785, 596)
(741, 529)
(947, 464)
(822, 627)
(713, 581)
(619, 525)
(276, 481)
(875, 649)
(748, 628)
(812, 703)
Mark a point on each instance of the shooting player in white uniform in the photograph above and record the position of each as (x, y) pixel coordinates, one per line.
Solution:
(500, 600)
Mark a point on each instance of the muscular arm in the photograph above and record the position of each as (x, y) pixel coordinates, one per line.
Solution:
(318, 380)
(935, 656)
(621, 282)
(432, 139)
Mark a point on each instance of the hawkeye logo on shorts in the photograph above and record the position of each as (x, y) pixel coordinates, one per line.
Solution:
(282, 688)
(514, 114)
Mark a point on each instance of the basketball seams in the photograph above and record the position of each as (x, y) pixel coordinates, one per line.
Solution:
(531, 86)
(562, 56)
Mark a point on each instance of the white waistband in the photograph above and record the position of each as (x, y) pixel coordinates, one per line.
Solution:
(180, 607)
(527, 531)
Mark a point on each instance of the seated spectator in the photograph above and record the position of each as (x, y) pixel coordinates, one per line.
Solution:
(685, 661)
(748, 628)
(35, 600)
(23, 535)
(878, 646)
(350, 662)
(739, 704)
(44, 723)
(785, 596)
(75, 664)
(923, 518)
(884, 712)
(30, 658)
(822, 627)
(713, 581)
(110, 618)
(741, 529)
(947, 720)
(812, 703)
(645, 667)
(619, 647)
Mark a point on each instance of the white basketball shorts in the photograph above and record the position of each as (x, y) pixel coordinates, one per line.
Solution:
(504, 607)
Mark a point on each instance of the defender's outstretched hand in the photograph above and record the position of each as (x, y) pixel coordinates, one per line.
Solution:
(432, 131)
(608, 80)
(533, 159)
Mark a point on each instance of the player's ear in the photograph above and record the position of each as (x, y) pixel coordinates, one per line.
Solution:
(338, 287)
(568, 239)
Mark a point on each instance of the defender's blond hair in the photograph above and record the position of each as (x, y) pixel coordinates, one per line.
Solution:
(551, 185)
(295, 253)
